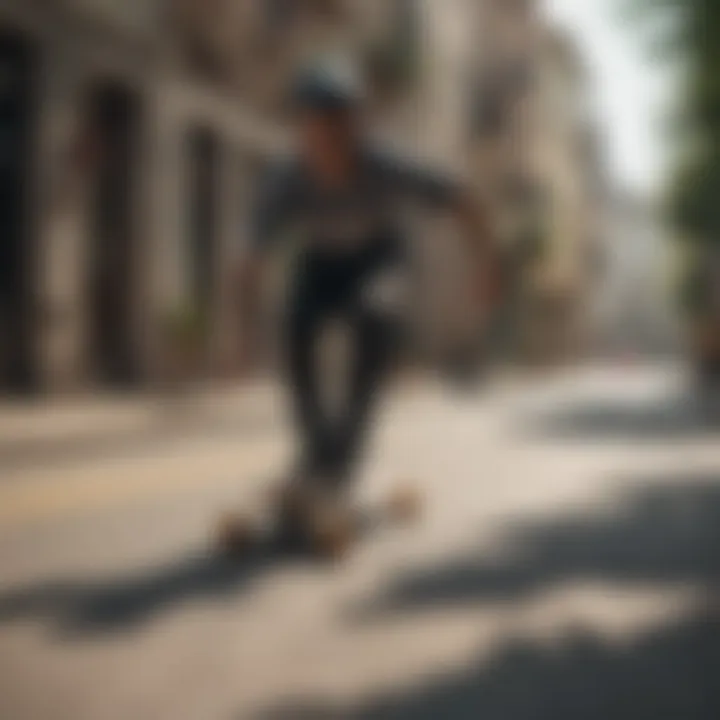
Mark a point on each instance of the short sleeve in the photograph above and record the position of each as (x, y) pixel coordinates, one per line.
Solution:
(276, 201)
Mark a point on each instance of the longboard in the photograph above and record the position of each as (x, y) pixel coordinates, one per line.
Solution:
(241, 536)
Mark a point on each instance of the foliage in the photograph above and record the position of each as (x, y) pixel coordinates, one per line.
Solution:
(689, 33)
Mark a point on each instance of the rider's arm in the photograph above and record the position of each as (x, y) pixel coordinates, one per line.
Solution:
(435, 189)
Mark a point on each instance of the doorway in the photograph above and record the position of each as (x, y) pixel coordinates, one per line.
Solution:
(18, 318)
(114, 122)
(203, 200)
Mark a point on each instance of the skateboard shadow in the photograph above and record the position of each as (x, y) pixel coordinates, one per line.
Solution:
(86, 607)
(82, 607)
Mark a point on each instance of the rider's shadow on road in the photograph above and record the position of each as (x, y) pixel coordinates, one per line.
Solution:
(666, 535)
(87, 607)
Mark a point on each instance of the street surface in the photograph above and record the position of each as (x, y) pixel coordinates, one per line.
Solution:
(567, 565)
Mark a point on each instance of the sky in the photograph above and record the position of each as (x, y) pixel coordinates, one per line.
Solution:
(629, 91)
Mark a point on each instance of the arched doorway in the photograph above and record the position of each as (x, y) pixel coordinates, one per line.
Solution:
(113, 111)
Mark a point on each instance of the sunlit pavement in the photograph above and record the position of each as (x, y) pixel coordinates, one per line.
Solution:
(564, 568)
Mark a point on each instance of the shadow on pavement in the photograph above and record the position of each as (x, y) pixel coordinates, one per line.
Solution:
(84, 607)
(667, 534)
(87, 607)
(663, 534)
(670, 673)
(658, 419)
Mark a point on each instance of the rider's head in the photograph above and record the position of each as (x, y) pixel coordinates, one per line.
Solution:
(327, 108)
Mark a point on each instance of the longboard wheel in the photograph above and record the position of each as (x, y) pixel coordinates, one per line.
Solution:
(235, 535)
(405, 504)
(332, 533)
(332, 543)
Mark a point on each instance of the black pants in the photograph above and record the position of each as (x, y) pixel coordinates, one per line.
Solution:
(327, 289)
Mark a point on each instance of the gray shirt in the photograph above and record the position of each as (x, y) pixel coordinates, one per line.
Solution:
(370, 207)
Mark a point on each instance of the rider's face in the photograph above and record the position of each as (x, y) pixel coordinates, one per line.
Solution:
(327, 141)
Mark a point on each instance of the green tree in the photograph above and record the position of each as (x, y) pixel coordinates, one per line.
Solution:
(687, 34)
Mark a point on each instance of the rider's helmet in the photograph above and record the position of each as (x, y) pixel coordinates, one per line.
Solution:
(327, 87)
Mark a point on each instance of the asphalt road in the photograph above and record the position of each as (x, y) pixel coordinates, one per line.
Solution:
(566, 566)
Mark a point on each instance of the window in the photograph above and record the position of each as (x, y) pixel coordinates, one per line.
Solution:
(497, 93)
(392, 60)
(489, 108)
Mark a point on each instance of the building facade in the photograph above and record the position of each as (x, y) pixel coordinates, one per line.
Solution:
(126, 170)
(571, 214)
(137, 131)
(138, 128)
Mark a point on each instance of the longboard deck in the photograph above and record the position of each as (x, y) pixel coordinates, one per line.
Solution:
(240, 537)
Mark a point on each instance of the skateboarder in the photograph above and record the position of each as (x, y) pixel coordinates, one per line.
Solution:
(342, 195)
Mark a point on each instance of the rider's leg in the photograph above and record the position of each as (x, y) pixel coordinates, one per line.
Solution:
(374, 340)
(310, 423)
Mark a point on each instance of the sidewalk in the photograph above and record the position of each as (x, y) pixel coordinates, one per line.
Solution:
(41, 432)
